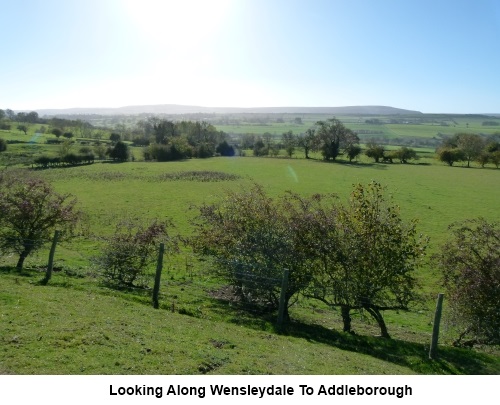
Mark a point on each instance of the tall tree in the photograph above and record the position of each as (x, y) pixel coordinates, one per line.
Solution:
(330, 135)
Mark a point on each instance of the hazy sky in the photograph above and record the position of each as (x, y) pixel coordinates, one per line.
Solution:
(432, 56)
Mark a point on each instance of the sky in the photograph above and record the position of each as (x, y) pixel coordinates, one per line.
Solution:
(438, 56)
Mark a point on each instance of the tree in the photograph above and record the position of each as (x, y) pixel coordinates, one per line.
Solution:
(30, 210)
(249, 238)
(450, 156)
(289, 142)
(404, 154)
(2, 114)
(23, 128)
(374, 151)
(68, 135)
(120, 152)
(32, 117)
(114, 137)
(331, 136)
(131, 250)
(308, 141)
(470, 265)
(11, 115)
(224, 149)
(471, 146)
(57, 132)
(353, 151)
(366, 257)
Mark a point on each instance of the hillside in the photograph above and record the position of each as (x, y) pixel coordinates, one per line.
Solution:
(189, 109)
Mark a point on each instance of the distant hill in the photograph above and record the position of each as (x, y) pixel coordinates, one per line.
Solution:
(189, 109)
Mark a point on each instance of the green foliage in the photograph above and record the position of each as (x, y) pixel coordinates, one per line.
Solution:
(450, 155)
(375, 151)
(224, 149)
(470, 264)
(57, 132)
(289, 143)
(30, 210)
(23, 128)
(3, 145)
(332, 136)
(114, 137)
(120, 152)
(404, 154)
(366, 256)
(353, 151)
(250, 238)
(126, 256)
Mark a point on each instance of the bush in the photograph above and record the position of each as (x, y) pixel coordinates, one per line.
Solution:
(3, 145)
(470, 265)
(127, 255)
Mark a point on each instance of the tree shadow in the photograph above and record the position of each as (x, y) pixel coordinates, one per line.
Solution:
(353, 165)
(414, 356)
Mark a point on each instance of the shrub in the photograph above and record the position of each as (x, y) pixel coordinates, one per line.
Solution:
(470, 265)
(127, 255)
(3, 145)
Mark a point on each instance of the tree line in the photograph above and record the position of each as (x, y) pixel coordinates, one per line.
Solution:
(467, 147)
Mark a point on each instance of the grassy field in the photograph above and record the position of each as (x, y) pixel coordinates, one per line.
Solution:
(77, 326)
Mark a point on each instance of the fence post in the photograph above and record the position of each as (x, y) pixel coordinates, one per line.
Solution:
(284, 287)
(435, 328)
(50, 265)
(159, 266)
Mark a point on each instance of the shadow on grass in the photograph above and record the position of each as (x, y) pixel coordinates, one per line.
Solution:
(414, 356)
(354, 165)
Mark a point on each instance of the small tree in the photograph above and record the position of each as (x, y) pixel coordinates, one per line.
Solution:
(353, 151)
(374, 151)
(23, 128)
(367, 257)
(289, 143)
(470, 264)
(127, 255)
(308, 141)
(115, 137)
(405, 154)
(450, 155)
(120, 152)
(250, 238)
(57, 132)
(30, 210)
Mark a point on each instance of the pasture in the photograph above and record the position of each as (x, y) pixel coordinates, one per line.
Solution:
(75, 325)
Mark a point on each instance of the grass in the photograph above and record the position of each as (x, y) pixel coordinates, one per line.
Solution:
(56, 329)
(76, 326)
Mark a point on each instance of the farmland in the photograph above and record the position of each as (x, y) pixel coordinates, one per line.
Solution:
(75, 325)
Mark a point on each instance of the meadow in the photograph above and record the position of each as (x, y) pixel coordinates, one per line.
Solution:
(77, 326)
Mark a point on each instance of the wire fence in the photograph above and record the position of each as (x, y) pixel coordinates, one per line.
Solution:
(185, 271)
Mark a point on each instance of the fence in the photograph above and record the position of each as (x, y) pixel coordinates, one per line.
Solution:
(184, 267)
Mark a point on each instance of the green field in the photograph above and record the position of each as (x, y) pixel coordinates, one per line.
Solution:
(77, 326)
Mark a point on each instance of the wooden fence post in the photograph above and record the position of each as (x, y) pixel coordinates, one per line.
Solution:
(50, 265)
(435, 328)
(284, 287)
(159, 266)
